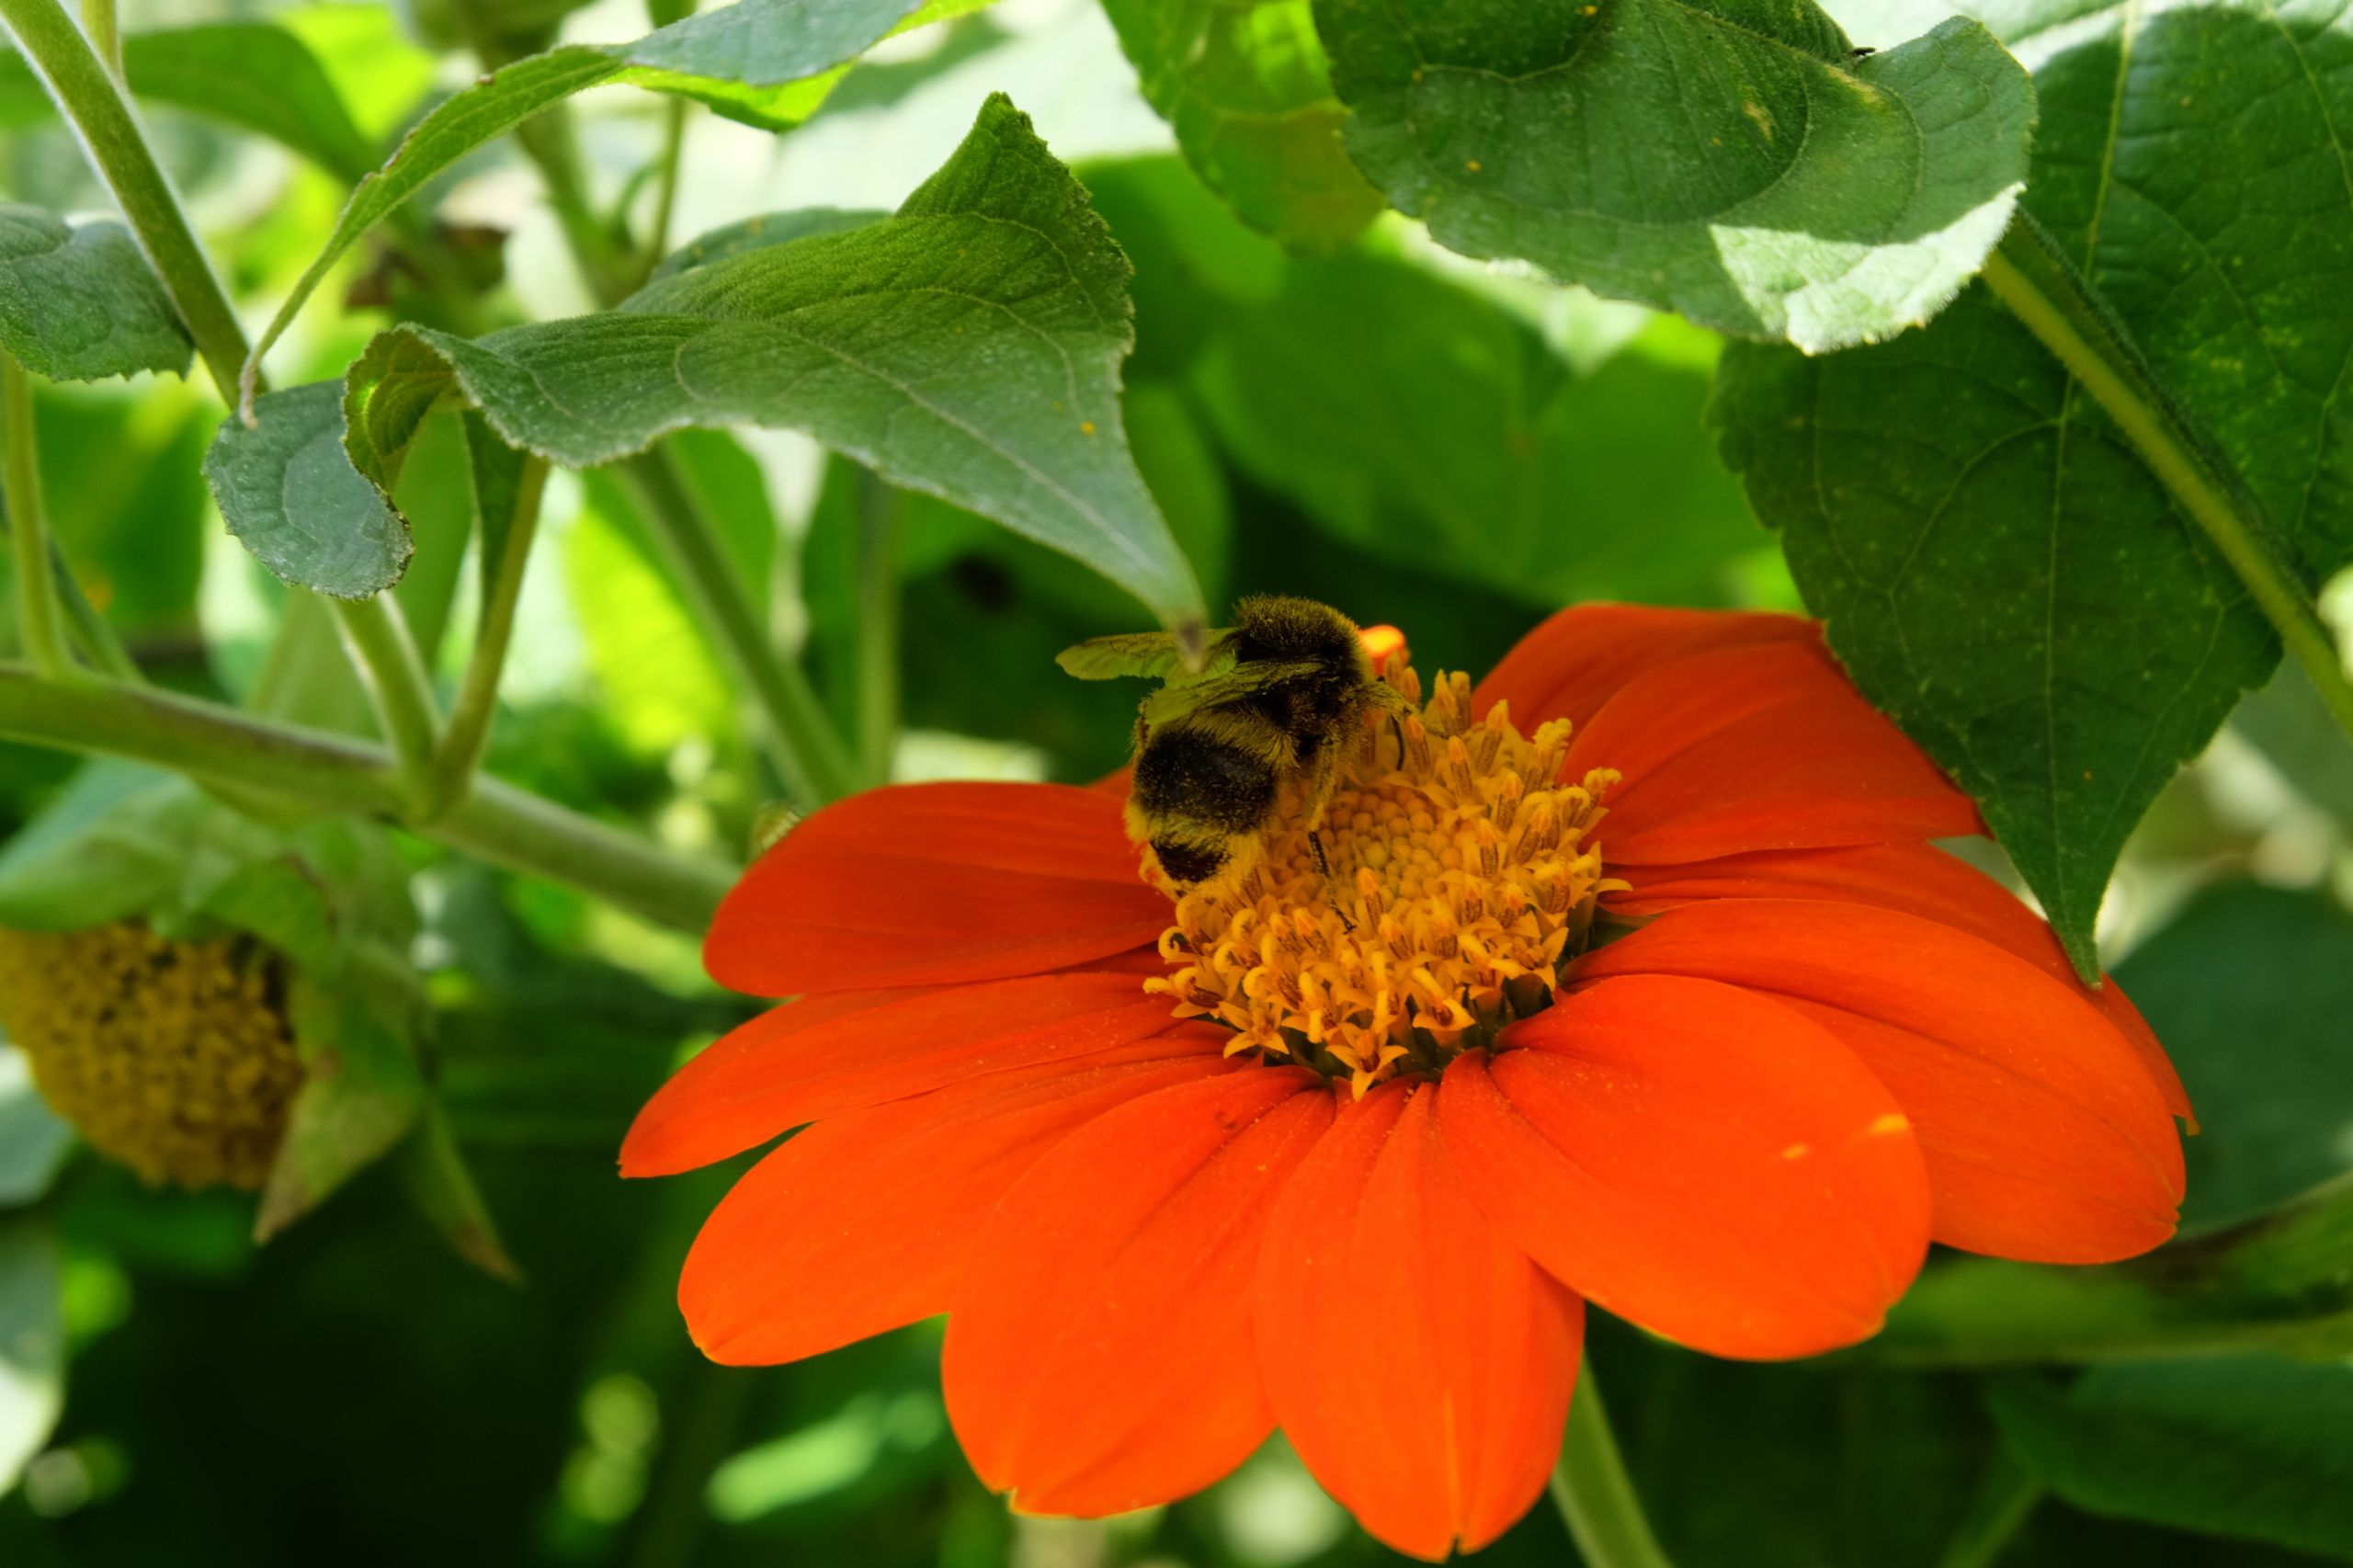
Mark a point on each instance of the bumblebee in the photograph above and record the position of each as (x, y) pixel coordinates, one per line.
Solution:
(1277, 705)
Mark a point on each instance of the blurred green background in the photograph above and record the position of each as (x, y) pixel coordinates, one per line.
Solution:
(355, 1392)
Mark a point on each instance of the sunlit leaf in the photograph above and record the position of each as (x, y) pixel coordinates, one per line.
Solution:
(757, 233)
(78, 301)
(719, 57)
(2000, 570)
(1731, 161)
(968, 347)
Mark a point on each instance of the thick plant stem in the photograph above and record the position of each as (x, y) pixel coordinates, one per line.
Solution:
(1591, 1489)
(94, 104)
(878, 626)
(467, 737)
(497, 823)
(2030, 276)
(816, 767)
(376, 635)
(27, 523)
(106, 35)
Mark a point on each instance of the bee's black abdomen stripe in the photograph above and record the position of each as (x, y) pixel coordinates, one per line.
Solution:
(1188, 863)
(1197, 777)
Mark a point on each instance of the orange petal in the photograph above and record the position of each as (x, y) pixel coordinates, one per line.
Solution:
(819, 1057)
(864, 1222)
(1420, 1364)
(1916, 879)
(2046, 1139)
(1100, 1352)
(1758, 747)
(1699, 1160)
(933, 884)
(1577, 660)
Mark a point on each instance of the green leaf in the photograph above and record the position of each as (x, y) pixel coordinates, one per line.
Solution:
(968, 347)
(2263, 1055)
(32, 1346)
(78, 301)
(713, 57)
(1726, 159)
(114, 842)
(2256, 1446)
(1452, 440)
(2000, 570)
(434, 1172)
(288, 490)
(33, 1139)
(758, 232)
(361, 1093)
(1247, 87)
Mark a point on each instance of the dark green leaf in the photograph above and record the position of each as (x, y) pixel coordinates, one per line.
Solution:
(2256, 1446)
(256, 76)
(286, 489)
(1729, 160)
(1249, 93)
(757, 234)
(2261, 1053)
(968, 347)
(361, 1093)
(78, 302)
(1999, 570)
(1453, 439)
(715, 56)
(441, 1186)
(32, 1345)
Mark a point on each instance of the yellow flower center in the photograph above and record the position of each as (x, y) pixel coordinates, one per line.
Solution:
(171, 1057)
(1463, 876)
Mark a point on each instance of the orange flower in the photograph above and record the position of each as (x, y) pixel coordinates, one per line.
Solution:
(1405, 1122)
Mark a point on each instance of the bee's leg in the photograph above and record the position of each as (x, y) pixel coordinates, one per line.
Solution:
(1324, 868)
(1397, 732)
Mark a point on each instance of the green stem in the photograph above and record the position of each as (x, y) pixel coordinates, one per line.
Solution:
(105, 37)
(97, 640)
(93, 101)
(2043, 290)
(497, 823)
(878, 626)
(816, 767)
(666, 190)
(1591, 1489)
(376, 635)
(460, 755)
(2004, 1500)
(27, 523)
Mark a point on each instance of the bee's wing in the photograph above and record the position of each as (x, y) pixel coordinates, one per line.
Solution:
(1185, 695)
(1153, 654)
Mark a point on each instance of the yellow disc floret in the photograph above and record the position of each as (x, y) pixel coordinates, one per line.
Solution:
(1457, 874)
(172, 1057)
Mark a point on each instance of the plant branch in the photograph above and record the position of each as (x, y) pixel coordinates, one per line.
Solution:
(97, 640)
(666, 190)
(878, 626)
(497, 823)
(375, 633)
(92, 101)
(460, 754)
(816, 767)
(1591, 1489)
(106, 36)
(2043, 288)
(27, 523)
(2006, 1499)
